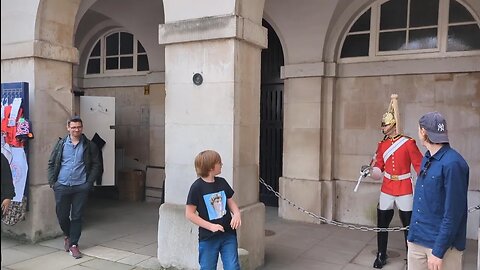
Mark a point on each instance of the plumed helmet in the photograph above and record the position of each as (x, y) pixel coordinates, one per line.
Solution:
(392, 116)
(388, 119)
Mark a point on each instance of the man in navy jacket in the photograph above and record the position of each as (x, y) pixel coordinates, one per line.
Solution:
(437, 235)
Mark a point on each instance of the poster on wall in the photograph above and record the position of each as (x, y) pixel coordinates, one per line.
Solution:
(16, 132)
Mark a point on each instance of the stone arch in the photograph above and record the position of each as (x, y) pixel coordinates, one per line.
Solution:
(38, 49)
(379, 81)
(278, 32)
(55, 21)
(271, 115)
(346, 13)
(94, 20)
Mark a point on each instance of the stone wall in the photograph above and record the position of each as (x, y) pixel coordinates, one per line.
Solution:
(360, 103)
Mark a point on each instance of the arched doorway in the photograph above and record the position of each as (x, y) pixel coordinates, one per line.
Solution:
(271, 117)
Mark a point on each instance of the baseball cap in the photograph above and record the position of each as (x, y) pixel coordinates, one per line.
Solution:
(436, 126)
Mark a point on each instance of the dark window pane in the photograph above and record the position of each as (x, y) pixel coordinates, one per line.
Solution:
(355, 45)
(422, 39)
(111, 63)
(393, 14)
(392, 41)
(423, 13)
(363, 23)
(458, 13)
(140, 48)
(112, 44)
(126, 43)
(126, 62)
(142, 63)
(93, 66)
(463, 38)
(96, 49)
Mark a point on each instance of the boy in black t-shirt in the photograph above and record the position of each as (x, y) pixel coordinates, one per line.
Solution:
(218, 214)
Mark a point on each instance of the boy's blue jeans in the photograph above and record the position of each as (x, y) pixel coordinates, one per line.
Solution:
(226, 245)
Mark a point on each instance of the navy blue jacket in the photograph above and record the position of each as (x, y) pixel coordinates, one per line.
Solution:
(439, 218)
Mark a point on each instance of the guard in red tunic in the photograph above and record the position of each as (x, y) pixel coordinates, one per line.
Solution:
(395, 155)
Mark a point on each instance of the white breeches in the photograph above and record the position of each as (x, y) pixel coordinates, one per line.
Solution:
(404, 202)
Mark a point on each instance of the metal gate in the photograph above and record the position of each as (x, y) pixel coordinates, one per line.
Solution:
(271, 117)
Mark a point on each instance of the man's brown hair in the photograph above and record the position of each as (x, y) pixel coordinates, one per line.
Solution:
(74, 119)
(205, 161)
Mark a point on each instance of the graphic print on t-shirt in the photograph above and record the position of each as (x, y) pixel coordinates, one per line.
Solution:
(216, 203)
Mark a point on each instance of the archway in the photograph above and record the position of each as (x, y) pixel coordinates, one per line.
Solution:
(271, 116)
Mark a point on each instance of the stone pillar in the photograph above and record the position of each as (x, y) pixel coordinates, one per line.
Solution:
(221, 41)
(327, 142)
(307, 159)
(42, 55)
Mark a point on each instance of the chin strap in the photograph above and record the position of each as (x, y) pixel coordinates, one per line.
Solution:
(388, 130)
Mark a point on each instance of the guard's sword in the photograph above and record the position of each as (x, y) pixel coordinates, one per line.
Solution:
(362, 175)
(358, 182)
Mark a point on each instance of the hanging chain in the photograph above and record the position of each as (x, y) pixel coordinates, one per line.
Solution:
(329, 221)
(321, 219)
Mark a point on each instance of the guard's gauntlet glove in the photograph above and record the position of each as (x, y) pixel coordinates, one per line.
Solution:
(366, 170)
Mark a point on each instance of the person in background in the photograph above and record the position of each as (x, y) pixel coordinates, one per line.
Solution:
(8, 190)
(395, 156)
(217, 229)
(73, 167)
(438, 229)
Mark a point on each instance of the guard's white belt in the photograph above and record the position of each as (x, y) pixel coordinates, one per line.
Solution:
(397, 177)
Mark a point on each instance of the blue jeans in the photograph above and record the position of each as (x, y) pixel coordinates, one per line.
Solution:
(226, 245)
(70, 203)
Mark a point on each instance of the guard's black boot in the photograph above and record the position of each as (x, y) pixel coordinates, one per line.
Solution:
(380, 261)
(384, 217)
(405, 217)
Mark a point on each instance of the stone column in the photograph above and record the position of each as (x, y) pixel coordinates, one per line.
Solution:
(41, 54)
(307, 158)
(221, 41)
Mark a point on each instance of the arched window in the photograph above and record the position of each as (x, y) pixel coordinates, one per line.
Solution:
(117, 53)
(407, 27)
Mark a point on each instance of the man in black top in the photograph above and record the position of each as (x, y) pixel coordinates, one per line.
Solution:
(8, 191)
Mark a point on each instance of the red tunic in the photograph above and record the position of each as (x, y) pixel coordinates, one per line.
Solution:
(399, 163)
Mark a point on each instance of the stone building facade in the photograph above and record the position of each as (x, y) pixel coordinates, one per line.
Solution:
(334, 65)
